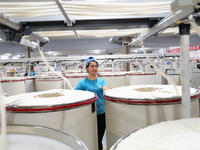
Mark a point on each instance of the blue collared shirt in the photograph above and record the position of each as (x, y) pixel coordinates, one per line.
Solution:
(96, 87)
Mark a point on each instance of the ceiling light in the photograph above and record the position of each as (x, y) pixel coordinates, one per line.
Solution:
(97, 51)
(18, 55)
(4, 57)
(50, 52)
(14, 57)
(7, 54)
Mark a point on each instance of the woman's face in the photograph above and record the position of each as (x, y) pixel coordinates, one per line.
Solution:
(92, 68)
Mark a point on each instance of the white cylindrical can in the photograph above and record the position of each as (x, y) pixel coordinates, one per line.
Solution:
(48, 83)
(75, 78)
(13, 85)
(132, 107)
(21, 137)
(30, 84)
(179, 134)
(116, 79)
(72, 111)
(141, 78)
(175, 78)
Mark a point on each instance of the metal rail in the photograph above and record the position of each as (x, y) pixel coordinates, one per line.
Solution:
(164, 23)
(99, 57)
(69, 22)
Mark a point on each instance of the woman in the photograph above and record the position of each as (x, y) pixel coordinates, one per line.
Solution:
(97, 85)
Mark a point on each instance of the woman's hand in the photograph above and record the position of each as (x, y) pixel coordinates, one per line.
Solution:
(104, 88)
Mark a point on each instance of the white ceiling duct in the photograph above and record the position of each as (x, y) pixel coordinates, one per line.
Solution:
(83, 8)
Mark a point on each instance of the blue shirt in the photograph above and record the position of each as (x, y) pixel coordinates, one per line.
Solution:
(96, 87)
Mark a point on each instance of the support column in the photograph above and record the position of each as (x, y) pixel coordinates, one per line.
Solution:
(27, 55)
(27, 51)
(126, 50)
(184, 31)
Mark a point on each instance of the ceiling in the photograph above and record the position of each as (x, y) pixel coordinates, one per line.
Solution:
(97, 27)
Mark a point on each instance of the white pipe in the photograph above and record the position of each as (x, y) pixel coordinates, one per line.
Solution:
(9, 22)
(185, 76)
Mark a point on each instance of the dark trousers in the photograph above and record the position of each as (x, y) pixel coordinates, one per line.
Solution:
(101, 126)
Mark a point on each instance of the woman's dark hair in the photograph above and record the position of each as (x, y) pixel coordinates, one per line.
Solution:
(89, 64)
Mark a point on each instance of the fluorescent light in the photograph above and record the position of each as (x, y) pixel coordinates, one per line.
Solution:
(14, 57)
(4, 57)
(97, 51)
(7, 54)
(50, 52)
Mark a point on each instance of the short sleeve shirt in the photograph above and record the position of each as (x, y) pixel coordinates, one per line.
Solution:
(96, 87)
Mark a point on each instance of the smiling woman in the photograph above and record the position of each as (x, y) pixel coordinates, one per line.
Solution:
(97, 85)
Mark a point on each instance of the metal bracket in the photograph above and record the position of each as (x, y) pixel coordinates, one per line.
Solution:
(23, 28)
(184, 29)
(69, 23)
(42, 44)
(12, 35)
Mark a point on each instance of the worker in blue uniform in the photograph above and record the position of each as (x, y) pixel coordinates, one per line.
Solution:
(97, 85)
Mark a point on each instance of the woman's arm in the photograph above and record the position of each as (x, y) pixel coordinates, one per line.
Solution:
(104, 88)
